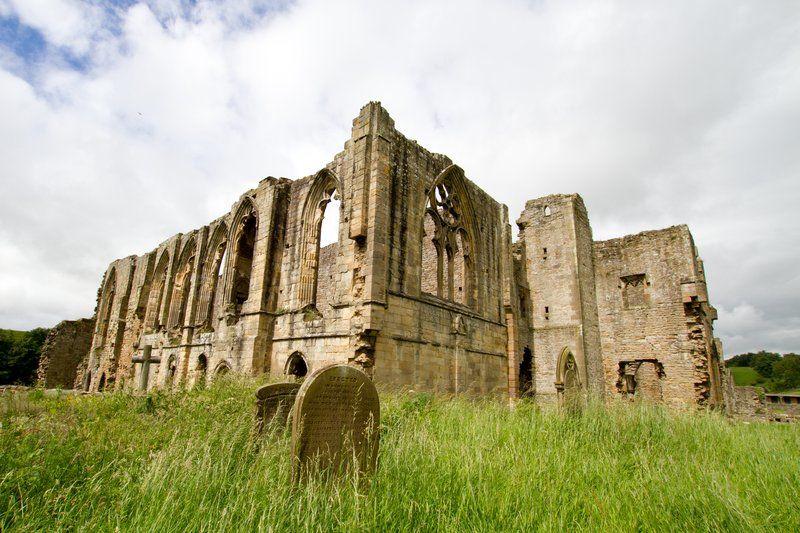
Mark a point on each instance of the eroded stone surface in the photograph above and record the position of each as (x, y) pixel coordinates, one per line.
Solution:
(335, 423)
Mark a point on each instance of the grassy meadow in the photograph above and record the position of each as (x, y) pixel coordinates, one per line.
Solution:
(745, 375)
(187, 461)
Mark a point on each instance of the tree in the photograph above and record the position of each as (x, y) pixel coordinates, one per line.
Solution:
(19, 355)
(762, 362)
(786, 372)
(744, 359)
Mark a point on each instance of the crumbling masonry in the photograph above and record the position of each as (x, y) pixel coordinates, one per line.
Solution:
(424, 289)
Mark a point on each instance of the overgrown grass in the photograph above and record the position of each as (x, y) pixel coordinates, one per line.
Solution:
(188, 462)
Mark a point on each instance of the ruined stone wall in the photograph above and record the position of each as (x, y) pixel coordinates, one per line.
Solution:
(559, 270)
(173, 300)
(749, 402)
(65, 347)
(643, 285)
(423, 288)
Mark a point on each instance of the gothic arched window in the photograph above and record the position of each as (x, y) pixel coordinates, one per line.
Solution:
(156, 301)
(244, 241)
(183, 286)
(447, 244)
(211, 273)
(322, 192)
(106, 305)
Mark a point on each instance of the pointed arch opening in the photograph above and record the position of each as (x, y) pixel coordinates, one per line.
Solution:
(448, 241)
(183, 286)
(106, 306)
(157, 301)
(323, 192)
(568, 380)
(212, 275)
(241, 259)
(296, 366)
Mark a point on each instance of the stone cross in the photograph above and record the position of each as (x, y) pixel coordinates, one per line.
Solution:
(145, 359)
(274, 403)
(335, 424)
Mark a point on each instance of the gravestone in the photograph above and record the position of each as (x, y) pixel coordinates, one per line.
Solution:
(274, 403)
(335, 424)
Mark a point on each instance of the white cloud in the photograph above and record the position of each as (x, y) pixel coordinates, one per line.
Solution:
(657, 114)
(66, 23)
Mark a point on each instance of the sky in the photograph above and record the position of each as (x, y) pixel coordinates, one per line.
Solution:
(123, 123)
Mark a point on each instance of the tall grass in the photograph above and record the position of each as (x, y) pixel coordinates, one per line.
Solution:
(188, 461)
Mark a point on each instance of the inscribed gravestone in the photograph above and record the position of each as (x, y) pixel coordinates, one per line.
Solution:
(335, 423)
(274, 403)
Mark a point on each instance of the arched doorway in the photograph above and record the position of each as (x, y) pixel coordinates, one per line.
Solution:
(568, 381)
(296, 366)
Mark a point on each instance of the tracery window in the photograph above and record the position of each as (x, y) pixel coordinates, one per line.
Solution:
(446, 254)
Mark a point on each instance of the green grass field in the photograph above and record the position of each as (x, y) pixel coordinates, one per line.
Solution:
(13, 334)
(744, 375)
(187, 461)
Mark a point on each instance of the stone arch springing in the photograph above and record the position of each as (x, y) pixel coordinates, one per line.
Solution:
(106, 306)
(183, 285)
(157, 300)
(448, 245)
(296, 366)
(243, 241)
(322, 191)
(568, 379)
(211, 276)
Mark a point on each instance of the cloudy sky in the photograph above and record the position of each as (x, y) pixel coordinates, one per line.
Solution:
(122, 123)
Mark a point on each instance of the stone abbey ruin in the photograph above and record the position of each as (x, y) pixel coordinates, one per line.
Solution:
(425, 289)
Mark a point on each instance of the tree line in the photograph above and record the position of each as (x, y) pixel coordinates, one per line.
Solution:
(19, 355)
(781, 371)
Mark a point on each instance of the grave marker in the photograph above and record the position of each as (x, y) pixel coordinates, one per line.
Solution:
(274, 403)
(335, 423)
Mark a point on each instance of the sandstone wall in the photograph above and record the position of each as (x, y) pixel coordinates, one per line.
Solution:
(65, 347)
(653, 307)
(559, 271)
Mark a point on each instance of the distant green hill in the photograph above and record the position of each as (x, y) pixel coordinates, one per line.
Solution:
(13, 334)
(744, 375)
